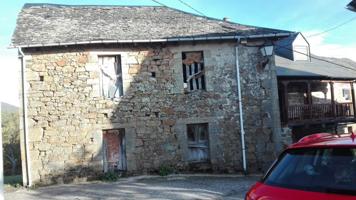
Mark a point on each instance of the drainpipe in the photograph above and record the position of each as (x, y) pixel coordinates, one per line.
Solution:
(242, 130)
(24, 118)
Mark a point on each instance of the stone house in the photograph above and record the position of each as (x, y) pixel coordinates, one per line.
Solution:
(316, 94)
(137, 88)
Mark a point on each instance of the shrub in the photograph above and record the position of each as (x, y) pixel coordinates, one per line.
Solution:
(110, 177)
(165, 170)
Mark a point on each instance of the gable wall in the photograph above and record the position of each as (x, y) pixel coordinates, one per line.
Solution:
(301, 48)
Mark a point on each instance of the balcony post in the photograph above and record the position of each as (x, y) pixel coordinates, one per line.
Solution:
(332, 98)
(286, 103)
(353, 98)
(310, 100)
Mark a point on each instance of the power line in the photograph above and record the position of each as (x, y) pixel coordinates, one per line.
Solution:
(316, 58)
(159, 3)
(332, 28)
(191, 7)
(284, 47)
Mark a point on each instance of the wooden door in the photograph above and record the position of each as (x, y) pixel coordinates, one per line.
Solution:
(114, 150)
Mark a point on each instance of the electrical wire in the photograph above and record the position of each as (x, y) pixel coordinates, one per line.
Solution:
(159, 3)
(332, 28)
(284, 47)
(191, 7)
(317, 58)
(186, 4)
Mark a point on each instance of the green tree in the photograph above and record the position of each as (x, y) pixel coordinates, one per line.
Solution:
(11, 143)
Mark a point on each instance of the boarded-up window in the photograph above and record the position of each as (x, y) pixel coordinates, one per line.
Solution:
(193, 70)
(111, 76)
(198, 142)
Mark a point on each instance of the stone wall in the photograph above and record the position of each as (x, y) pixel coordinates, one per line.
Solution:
(67, 114)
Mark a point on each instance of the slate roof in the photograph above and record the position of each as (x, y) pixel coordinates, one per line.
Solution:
(53, 24)
(352, 6)
(316, 68)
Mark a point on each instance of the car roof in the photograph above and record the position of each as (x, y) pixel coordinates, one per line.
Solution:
(325, 140)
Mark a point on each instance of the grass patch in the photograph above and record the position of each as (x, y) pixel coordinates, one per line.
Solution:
(14, 181)
(165, 170)
(109, 177)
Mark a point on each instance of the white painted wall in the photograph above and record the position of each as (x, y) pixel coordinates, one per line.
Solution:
(302, 46)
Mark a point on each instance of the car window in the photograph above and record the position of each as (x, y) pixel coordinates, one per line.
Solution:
(329, 170)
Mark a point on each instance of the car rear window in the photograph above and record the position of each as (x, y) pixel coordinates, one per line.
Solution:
(327, 170)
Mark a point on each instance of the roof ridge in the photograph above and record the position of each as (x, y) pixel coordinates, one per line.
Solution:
(28, 5)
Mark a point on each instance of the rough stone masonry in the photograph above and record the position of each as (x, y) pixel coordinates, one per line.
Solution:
(67, 113)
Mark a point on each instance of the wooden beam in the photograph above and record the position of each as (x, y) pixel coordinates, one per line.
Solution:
(353, 98)
(310, 101)
(316, 81)
(332, 98)
(286, 103)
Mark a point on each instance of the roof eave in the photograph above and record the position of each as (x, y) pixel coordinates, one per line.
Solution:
(177, 39)
(316, 77)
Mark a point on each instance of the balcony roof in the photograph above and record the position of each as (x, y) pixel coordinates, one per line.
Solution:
(344, 69)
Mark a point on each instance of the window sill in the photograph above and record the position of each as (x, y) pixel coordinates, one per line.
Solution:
(197, 146)
(199, 162)
(116, 99)
(185, 91)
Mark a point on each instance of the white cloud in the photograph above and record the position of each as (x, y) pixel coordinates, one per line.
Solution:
(319, 47)
(9, 77)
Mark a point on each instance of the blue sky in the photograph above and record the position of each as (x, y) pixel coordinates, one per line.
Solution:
(307, 16)
(296, 15)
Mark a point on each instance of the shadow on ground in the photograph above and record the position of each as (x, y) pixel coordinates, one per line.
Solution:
(171, 187)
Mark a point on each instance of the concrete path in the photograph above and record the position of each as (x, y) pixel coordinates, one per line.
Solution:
(152, 187)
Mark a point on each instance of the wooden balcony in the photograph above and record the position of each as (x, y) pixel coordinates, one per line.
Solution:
(314, 109)
(320, 112)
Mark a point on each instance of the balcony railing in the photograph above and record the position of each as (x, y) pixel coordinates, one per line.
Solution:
(319, 111)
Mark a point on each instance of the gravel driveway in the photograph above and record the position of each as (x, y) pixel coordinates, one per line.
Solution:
(153, 187)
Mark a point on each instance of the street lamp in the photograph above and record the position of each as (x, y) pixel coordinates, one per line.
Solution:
(266, 51)
(352, 6)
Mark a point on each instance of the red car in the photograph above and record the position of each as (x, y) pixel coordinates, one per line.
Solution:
(319, 166)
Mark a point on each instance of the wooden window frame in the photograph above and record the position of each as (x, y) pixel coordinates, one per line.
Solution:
(198, 144)
(119, 76)
(194, 73)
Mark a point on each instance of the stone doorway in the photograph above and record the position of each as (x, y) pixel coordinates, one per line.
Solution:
(114, 150)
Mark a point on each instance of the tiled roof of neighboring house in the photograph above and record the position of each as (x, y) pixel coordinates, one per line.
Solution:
(54, 24)
(316, 68)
